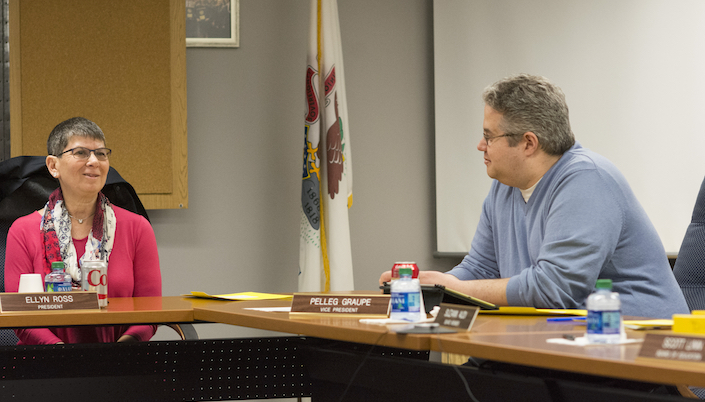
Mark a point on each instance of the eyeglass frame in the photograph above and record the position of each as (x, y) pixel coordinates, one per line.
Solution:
(90, 151)
(488, 139)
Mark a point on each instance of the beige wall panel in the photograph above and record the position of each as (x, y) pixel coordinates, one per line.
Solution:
(120, 64)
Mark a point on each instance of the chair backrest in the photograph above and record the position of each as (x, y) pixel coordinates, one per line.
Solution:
(25, 186)
(690, 263)
(7, 336)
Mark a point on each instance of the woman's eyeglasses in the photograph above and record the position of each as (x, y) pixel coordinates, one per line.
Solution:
(82, 153)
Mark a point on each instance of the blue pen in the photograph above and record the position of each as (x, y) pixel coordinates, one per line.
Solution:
(556, 319)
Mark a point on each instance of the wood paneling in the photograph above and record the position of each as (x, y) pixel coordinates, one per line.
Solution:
(120, 64)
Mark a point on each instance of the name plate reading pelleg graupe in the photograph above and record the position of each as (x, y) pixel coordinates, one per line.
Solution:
(673, 347)
(367, 305)
(55, 301)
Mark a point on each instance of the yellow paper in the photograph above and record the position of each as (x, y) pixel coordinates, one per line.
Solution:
(648, 324)
(243, 296)
(512, 310)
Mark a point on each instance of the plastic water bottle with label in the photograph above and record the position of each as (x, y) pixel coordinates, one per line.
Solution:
(604, 319)
(406, 297)
(57, 280)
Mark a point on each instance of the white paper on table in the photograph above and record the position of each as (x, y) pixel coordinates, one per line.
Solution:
(385, 321)
(582, 341)
(270, 309)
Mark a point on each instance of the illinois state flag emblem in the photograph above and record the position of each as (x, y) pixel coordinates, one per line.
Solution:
(325, 257)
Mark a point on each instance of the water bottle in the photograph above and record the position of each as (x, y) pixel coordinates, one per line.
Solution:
(57, 280)
(406, 297)
(604, 319)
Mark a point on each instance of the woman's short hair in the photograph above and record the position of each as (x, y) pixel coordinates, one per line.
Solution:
(532, 103)
(61, 134)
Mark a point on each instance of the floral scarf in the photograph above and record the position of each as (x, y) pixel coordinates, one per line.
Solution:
(58, 243)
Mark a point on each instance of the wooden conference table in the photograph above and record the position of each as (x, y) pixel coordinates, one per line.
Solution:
(322, 343)
(508, 338)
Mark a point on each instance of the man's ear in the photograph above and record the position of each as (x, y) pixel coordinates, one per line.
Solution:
(531, 143)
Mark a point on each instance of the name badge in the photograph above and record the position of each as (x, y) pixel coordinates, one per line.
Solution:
(358, 305)
(673, 347)
(54, 301)
(457, 316)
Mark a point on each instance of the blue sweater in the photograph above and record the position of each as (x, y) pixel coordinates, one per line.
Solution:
(581, 223)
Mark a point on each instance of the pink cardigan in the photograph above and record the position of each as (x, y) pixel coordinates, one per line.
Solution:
(133, 271)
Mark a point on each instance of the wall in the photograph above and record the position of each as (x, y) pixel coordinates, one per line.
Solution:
(245, 125)
(630, 84)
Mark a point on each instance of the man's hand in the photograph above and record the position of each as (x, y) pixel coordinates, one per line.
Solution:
(386, 277)
(491, 290)
(436, 278)
(425, 277)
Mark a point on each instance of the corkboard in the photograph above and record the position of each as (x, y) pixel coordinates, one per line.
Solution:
(120, 64)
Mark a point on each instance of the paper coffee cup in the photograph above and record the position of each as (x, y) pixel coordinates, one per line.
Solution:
(31, 283)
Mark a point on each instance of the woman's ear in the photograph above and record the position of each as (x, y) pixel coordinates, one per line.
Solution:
(52, 162)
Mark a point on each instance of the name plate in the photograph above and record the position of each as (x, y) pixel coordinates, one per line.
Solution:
(358, 305)
(457, 316)
(673, 347)
(55, 301)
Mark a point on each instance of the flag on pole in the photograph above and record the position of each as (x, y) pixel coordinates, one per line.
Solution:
(325, 257)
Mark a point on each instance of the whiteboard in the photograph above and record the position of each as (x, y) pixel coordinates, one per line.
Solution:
(633, 72)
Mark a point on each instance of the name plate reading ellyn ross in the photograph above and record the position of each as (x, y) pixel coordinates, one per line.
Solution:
(53, 301)
(374, 306)
(673, 347)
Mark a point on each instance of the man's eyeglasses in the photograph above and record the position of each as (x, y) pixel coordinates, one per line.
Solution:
(488, 138)
(82, 153)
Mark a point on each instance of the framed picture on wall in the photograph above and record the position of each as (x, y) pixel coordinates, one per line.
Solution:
(212, 23)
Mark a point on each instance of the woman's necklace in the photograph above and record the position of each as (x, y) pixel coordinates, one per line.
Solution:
(80, 221)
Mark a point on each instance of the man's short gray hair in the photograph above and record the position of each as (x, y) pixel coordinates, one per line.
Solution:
(532, 103)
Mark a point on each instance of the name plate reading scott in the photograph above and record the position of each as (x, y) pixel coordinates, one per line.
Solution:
(457, 316)
(673, 347)
(55, 301)
(358, 305)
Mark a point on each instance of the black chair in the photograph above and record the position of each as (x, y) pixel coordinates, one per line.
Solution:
(690, 264)
(25, 186)
(689, 268)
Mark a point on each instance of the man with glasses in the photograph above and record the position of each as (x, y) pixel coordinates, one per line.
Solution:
(557, 216)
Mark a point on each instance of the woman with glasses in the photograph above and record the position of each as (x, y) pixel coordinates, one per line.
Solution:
(79, 224)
